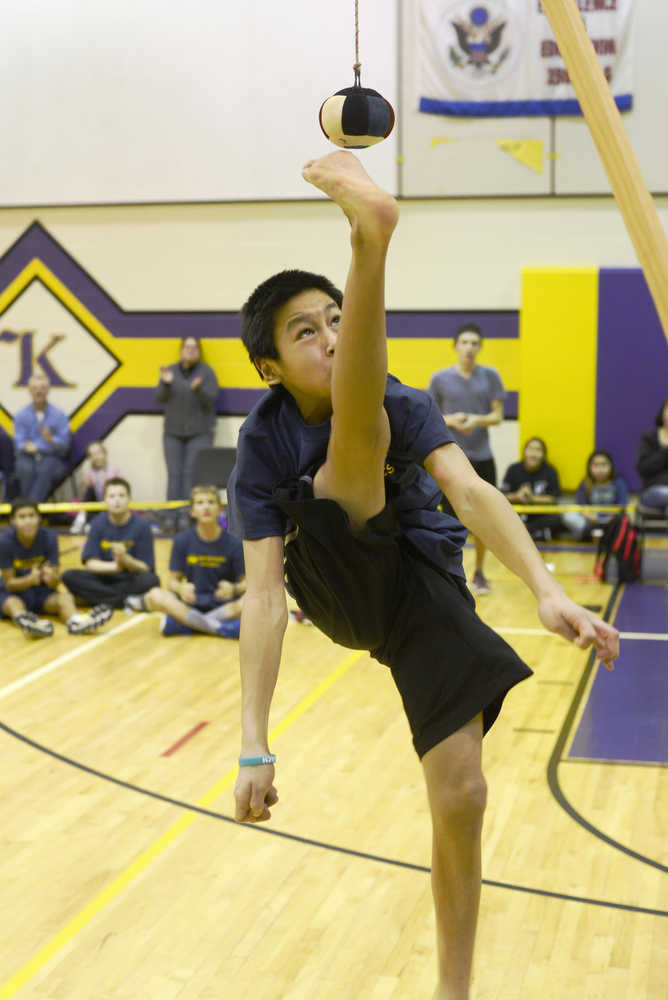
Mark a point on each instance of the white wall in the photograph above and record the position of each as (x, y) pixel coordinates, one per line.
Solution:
(178, 100)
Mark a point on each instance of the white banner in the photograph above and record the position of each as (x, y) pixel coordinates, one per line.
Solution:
(499, 57)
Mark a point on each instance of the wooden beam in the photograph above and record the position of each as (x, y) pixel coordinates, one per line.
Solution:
(614, 147)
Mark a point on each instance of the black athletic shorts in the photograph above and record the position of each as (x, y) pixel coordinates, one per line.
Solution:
(34, 598)
(374, 590)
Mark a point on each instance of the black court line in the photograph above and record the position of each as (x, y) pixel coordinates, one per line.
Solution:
(557, 753)
(363, 855)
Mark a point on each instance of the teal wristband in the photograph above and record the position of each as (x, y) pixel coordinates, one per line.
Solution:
(266, 758)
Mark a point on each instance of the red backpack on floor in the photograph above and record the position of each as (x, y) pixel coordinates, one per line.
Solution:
(618, 544)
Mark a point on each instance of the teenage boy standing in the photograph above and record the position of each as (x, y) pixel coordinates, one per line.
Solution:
(331, 492)
(470, 397)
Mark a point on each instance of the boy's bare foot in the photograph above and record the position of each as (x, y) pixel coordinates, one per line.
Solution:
(372, 212)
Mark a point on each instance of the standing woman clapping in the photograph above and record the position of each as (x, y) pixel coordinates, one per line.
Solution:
(189, 389)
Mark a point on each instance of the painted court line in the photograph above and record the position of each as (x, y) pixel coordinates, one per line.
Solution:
(141, 863)
(654, 636)
(85, 647)
(184, 739)
(502, 630)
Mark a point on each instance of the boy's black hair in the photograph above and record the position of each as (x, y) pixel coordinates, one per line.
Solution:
(258, 314)
(117, 481)
(468, 328)
(19, 502)
(658, 419)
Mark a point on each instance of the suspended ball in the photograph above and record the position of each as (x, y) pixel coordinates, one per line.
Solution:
(356, 117)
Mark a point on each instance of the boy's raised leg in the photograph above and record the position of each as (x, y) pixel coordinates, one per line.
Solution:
(353, 471)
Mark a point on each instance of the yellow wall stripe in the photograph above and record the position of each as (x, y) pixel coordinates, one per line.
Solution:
(558, 340)
(415, 359)
(141, 863)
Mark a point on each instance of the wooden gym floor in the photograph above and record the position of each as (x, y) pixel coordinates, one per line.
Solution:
(125, 879)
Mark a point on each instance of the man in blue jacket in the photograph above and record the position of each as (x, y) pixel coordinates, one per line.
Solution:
(42, 441)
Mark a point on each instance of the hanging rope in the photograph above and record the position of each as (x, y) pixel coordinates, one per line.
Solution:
(357, 65)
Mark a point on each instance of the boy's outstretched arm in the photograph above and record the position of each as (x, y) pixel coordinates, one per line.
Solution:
(489, 516)
(263, 621)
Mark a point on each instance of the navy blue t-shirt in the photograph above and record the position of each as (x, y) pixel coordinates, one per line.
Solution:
(14, 555)
(205, 563)
(276, 444)
(135, 535)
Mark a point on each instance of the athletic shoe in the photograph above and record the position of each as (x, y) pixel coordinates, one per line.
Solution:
(479, 585)
(135, 602)
(80, 624)
(79, 523)
(102, 613)
(170, 626)
(34, 627)
(230, 628)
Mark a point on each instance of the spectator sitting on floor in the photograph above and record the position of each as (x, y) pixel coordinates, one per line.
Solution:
(652, 463)
(118, 554)
(601, 486)
(535, 481)
(95, 472)
(42, 441)
(206, 581)
(31, 576)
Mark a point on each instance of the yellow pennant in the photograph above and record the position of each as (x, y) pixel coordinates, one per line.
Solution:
(527, 151)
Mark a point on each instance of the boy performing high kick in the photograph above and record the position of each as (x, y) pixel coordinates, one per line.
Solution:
(347, 465)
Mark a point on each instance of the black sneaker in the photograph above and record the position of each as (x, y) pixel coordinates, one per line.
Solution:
(85, 624)
(102, 613)
(34, 627)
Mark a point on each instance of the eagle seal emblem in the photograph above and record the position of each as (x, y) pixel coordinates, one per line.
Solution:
(479, 40)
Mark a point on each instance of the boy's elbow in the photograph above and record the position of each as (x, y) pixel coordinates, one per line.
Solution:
(463, 497)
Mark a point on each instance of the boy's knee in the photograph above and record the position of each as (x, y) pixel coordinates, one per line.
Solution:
(153, 599)
(461, 800)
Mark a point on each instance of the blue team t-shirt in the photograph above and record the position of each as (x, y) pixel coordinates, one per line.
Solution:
(135, 535)
(276, 444)
(22, 559)
(14, 555)
(204, 563)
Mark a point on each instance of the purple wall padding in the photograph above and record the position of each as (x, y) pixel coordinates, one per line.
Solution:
(632, 366)
(504, 323)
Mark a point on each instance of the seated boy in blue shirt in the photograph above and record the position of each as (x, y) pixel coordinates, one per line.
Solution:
(118, 554)
(206, 583)
(31, 576)
(340, 471)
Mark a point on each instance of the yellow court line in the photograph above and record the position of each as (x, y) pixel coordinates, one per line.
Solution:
(141, 863)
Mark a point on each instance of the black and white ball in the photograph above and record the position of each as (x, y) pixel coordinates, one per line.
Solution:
(356, 117)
